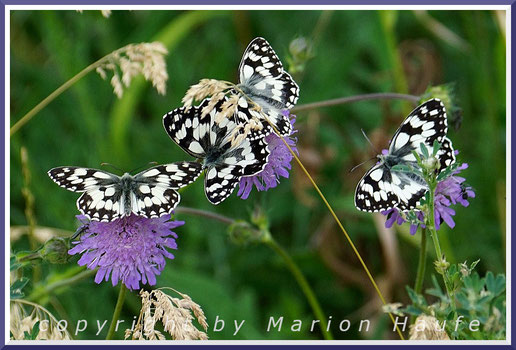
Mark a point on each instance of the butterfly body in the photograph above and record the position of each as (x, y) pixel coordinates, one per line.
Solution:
(383, 187)
(223, 160)
(106, 197)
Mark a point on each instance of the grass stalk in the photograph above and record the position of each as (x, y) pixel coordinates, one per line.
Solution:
(335, 217)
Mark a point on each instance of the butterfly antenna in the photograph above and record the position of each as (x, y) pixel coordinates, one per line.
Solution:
(113, 166)
(369, 141)
(143, 166)
(356, 166)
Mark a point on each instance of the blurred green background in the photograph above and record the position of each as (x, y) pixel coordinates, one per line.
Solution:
(354, 52)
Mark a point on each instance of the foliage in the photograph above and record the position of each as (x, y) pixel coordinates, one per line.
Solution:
(478, 298)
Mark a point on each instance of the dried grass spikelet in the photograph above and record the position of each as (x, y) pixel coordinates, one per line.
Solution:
(135, 59)
(427, 328)
(203, 89)
(23, 321)
(175, 314)
(214, 100)
(228, 108)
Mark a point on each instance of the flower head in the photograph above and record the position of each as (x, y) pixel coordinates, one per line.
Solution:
(131, 249)
(277, 166)
(451, 190)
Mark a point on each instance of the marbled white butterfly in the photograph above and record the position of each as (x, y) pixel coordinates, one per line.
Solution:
(382, 187)
(263, 80)
(150, 193)
(204, 138)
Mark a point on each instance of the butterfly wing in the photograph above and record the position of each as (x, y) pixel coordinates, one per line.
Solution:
(381, 189)
(374, 192)
(186, 128)
(102, 192)
(425, 124)
(154, 192)
(263, 79)
(446, 153)
(246, 159)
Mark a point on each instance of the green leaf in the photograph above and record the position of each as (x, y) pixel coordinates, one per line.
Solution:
(436, 147)
(35, 331)
(495, 285)
(417, 299)
(424, 150)
(13, 263)
(436, 291)
(417, 156)
(17, 286)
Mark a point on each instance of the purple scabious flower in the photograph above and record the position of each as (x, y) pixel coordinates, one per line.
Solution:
(131, 249)
(451, 191)
(448, 192)
(277, 166)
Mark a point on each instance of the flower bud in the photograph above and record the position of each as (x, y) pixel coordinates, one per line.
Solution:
(430, 164)
(241, 232)
(301, 50)
(441, 265)
(55, 250)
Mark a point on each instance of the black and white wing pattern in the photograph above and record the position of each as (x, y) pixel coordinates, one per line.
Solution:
(150, 193)
(383, 188)
(263, 79)
(224, 161)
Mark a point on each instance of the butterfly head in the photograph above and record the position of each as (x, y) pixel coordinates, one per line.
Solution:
(126, 181)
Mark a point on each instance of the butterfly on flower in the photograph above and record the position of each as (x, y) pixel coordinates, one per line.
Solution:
(150, 193)
(384, 187)
(212, 141)
(271, 89)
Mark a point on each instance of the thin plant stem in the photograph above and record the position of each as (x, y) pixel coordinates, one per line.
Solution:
(291, 265)
(421, 265)
(303, 283)
(207, 214)
(350, 99)
(435, 238)
(116, 313)
(330, 209)
(332, 212)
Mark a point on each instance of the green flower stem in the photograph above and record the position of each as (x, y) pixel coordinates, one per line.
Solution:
(421, 265)
(357, 98)
(435, 238)
(116, 313)
(302, 282)
(292, 266)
